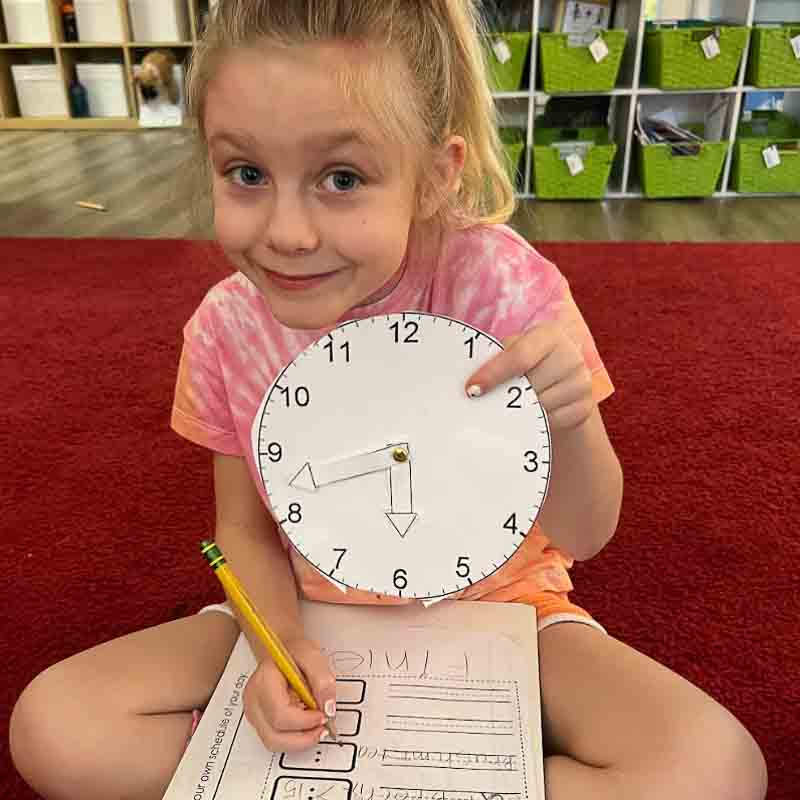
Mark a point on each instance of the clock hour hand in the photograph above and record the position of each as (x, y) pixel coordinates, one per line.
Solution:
(312, 477)
(401, 500)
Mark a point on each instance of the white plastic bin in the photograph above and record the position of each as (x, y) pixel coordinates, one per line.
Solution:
(105, 86)
(99, 21)
(159, 20)
(40, 90)
(27, 21)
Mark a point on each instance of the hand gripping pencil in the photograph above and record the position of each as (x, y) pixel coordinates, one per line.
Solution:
(278, 652)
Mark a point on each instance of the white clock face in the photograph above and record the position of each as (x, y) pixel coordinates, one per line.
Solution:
(381, 471)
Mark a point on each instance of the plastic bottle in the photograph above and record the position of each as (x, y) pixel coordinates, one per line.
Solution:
(70, 22)
(78, 99)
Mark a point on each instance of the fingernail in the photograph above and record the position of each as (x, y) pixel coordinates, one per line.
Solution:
(330, 708)
(324, 736)
(474, 391)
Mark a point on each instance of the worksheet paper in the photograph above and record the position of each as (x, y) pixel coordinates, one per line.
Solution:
(432, 704)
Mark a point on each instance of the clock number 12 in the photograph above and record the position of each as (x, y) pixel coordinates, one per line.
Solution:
(412, 329)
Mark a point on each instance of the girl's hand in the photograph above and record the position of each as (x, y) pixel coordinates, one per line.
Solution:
(274, 710)
(555, 367)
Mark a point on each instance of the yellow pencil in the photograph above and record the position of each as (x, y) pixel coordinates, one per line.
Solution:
(279, 654)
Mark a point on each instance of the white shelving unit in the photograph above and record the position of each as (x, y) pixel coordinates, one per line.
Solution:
(520, 108)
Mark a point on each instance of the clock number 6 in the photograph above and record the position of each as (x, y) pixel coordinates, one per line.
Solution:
(400, 579)
(411, 327)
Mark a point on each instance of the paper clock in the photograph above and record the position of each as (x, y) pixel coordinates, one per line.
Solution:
(381, 471)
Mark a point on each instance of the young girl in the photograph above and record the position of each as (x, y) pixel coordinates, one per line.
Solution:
(356, 171)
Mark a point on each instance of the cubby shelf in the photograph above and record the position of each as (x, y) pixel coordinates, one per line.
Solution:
(516, 107)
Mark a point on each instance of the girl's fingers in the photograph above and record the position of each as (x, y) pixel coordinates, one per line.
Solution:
(522, 355)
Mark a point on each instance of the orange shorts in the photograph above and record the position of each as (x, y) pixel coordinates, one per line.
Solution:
(551, 608)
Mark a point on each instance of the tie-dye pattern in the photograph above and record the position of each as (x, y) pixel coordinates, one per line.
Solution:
(487, 276)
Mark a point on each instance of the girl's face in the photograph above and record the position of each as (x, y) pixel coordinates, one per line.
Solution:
(312, 203)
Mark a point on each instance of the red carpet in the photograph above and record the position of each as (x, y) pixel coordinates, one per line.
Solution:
(702, 341)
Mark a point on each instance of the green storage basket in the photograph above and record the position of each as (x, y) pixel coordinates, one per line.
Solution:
(666, 175)
(674, 58)
(573, 69)
(513, 140)
(772, 61)
(507, 77)
(750, 172)
(552, 179)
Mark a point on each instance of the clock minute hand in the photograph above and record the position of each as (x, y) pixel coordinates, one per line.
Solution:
(312, 477)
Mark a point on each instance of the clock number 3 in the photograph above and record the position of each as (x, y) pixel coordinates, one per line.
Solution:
(533, 461)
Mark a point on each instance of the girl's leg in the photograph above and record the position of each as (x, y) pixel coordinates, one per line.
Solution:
(113, 721)
(619, 725)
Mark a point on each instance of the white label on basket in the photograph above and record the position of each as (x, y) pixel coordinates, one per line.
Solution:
(599, 49)
(575, 164)
(772, 158)
(502, 52)
(711, 47)
(796, 45)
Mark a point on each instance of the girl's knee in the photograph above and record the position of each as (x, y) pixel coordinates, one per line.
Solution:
(717, 760)
(40, 732)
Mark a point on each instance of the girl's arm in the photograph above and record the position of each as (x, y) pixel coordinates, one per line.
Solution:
(582, 508)
(248, 536)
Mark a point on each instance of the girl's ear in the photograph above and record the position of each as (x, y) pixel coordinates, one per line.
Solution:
(444, 178)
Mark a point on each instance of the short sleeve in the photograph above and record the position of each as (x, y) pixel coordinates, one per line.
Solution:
(201, 411)
(561, 307)
(494, 279)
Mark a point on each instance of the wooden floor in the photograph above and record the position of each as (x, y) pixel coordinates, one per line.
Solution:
(146, 180)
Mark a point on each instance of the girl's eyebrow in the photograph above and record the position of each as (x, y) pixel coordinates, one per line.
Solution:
(336, 139)
(236, 138)
(321, 142)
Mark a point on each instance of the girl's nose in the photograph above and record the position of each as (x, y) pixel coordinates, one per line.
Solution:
(290, 228)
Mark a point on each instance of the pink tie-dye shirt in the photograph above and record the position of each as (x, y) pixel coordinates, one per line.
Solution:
(487, 276)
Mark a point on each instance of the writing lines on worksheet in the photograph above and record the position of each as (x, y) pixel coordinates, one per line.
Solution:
(450, 709)
(421, 759)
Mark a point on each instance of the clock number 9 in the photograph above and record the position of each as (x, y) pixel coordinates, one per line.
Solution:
(533, 461)
(275, 452)
(413, 329)
(462, 568)
(400, 579)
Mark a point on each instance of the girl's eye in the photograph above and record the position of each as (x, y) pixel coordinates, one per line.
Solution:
(341, 182)
(245, 175)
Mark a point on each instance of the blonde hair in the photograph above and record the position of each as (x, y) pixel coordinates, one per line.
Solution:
(442, 92)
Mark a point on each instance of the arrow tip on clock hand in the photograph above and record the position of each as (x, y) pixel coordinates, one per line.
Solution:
(401, 522)
(304, 479)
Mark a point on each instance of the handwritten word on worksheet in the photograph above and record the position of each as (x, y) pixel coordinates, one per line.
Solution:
(436, 704)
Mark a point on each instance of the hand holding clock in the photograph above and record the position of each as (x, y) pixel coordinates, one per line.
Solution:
(553, 364)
